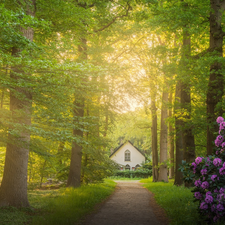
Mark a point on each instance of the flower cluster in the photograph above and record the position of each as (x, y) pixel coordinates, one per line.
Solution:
(207, 174)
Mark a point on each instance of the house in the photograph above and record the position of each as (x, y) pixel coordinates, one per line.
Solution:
(127, 156)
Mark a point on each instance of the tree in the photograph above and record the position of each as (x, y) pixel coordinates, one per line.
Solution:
(14, 184)
(215, 86)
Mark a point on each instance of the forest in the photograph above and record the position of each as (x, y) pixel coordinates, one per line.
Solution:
(77, 77)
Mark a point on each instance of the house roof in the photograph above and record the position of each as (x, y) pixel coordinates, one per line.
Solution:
(117, 148)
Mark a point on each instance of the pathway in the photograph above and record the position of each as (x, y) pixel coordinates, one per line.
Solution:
(131, 204)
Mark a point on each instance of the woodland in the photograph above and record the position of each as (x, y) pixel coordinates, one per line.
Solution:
(77, 77)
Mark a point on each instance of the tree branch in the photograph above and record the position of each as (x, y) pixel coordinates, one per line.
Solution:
(114, 19)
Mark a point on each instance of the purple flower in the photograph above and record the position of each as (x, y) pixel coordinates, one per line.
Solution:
(221, 171)
(194, 164)
(217, 162)
(223, 145)
(208, 193)
(219, 140)
(220, 197)
(203, 206)
(220, 119)
(216, 191)
(219, 207)
(198, 195)
(221, 191)
(198, 183)
(213, 177)
(213, 208)
(205, 185)
(222, 126)
(208, 199)
(203, 171)
(198, 160)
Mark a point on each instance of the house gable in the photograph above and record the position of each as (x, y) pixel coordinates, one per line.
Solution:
(128, 155)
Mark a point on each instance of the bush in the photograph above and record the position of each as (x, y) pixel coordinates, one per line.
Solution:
(207, 176)
(137, 173)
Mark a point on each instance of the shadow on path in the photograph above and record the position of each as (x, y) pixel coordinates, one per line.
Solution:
(131, 204)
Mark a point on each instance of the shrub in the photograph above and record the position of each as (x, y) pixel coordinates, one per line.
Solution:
(137, 173)
(207, 176)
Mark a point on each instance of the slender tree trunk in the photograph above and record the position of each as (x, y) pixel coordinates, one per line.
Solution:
(171, 140)
(13, 190)
(215, 85)
(179, 143)
(187, 136)
(60, 150)
(154, 139)
(74, 178)
(163, 139)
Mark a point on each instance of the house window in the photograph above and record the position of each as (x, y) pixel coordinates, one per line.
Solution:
(127, 155)
(127, 167)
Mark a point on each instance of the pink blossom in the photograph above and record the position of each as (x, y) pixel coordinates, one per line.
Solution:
(205, 185)
(198, 160)
(217, 162)
(220, 119)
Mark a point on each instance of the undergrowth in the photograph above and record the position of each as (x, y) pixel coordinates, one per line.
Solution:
(62, 206)
(177, 201)
(73, 204)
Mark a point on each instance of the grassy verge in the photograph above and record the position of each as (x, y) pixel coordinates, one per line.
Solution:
(177, 201)
(62, 206)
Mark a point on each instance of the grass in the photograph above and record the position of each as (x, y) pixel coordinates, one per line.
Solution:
(177, 201)
(62, 206)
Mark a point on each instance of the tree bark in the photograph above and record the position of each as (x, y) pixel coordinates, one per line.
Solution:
(215, 85)
(187, 136)
(179, 143)
(74, 178)
(171, 140)
(163, 139)
(154, 139)
(13, 190)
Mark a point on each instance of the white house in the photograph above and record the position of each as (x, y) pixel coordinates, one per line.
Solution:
(127, 156)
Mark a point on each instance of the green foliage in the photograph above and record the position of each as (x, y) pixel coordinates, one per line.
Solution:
(177, 202)
(73, 204)
(140, 173)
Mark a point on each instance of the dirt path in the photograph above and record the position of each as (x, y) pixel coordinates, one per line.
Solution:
(131, 204)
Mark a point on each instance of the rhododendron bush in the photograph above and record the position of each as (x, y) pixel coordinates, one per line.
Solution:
(208, 177)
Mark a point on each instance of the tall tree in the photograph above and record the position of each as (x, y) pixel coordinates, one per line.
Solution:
(13, 190)
(163, 137)
(215, 86)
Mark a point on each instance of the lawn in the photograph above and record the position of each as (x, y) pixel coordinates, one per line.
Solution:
(177, 201)
(62, 206)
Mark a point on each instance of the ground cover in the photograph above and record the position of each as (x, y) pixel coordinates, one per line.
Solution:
(177, 201)
(60, 206)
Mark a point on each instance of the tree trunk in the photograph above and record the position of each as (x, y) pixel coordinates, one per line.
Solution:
(179, 144)
(154, 139)
(171, 141)
(215, 85)
(187, 136)
(74, 178)
(163, 139)
(13, 190)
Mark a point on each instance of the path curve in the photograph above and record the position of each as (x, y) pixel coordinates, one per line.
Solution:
(131, 204)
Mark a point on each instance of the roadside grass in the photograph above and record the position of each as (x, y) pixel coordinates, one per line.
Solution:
(177, 201)
(73, 204)
(62, 206)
